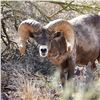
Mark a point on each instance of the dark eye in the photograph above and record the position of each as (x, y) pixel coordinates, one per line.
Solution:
(57, 34)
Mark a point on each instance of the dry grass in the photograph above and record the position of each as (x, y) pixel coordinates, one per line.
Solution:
(29, 91)
(33, 88)
(49, 88)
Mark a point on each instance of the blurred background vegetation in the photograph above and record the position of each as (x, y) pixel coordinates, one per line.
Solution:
(17, 72)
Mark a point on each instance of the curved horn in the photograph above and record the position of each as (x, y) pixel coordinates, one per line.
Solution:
(61, 25)
(25, 28)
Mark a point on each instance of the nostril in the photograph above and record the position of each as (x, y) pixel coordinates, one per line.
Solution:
(43, 50)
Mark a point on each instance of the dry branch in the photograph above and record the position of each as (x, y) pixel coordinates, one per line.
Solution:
(4, 31)
(80, 8)
(2, 37)
(63, 8)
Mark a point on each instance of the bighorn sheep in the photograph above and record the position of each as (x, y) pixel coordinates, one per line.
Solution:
(66, 43)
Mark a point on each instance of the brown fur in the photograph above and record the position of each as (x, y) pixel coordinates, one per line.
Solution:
(72, 42)
(61, 25)
(57, 48)
(85, 33)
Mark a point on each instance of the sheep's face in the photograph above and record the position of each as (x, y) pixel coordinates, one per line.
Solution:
(50, 43)
(42, 39)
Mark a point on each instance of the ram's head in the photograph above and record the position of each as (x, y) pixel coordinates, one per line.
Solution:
(54, 39)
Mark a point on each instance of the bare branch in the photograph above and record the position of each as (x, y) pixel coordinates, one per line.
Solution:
(4, 31)
(68, 5)
(80, 8)
(2, 37)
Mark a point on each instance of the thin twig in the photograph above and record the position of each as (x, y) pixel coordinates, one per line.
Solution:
(84, 6)
(2, 37)
(4, 30)
(61, 9)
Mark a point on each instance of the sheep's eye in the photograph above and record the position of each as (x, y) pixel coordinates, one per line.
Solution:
(57, 34)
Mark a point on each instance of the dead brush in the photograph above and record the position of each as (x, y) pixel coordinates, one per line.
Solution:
(25, 90)
(31, 89)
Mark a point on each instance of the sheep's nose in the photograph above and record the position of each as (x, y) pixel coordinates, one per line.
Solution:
(43, 50)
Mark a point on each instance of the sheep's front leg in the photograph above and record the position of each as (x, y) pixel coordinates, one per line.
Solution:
(62, 77)
(67, 70)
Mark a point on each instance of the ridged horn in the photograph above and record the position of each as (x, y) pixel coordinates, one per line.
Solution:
(25, 28)
(61, 25)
